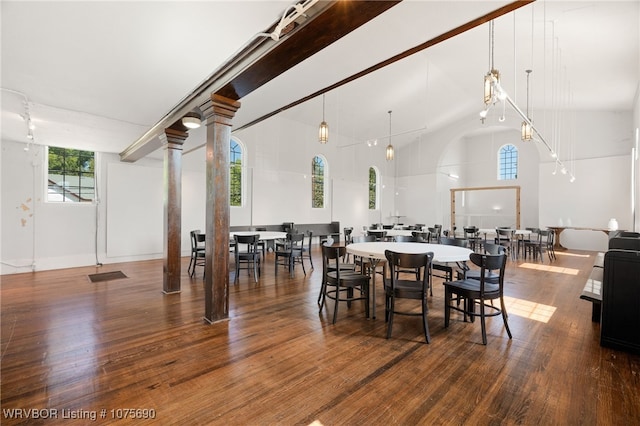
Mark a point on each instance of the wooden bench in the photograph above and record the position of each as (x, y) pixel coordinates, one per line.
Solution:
(592, 291)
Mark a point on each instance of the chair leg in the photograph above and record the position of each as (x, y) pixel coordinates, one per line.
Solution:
(482, 323)
(391, 309)
(335, 306)
(447, 307)
(504, 317)
(425, 326)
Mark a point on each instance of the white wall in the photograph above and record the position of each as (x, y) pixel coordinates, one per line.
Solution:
(126, 223)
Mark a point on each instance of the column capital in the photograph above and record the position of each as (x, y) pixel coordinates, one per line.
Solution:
(173, 137)
(220, 108)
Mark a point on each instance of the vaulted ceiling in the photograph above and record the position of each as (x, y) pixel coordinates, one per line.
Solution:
(97, 75)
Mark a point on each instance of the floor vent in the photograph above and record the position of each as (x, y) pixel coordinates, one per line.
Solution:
(107, 276)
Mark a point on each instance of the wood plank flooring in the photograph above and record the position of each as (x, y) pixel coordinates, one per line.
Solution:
(80, 347)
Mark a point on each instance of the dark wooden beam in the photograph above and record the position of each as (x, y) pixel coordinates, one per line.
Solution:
(432, 42)
(338, 20)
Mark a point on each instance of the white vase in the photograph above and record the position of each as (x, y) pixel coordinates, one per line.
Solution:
(613, 224)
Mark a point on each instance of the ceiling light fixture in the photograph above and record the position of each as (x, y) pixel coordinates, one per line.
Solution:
(390, 152)
(323, 131)
(191, 120)
(525, 130)
(493, 75)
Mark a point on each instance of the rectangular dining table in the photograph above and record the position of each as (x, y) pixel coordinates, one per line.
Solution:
(374, 251)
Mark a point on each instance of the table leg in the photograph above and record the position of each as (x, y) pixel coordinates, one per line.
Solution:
(373, 262)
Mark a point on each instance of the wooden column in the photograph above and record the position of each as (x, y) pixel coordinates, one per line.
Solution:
(172, 141)
(218, 112)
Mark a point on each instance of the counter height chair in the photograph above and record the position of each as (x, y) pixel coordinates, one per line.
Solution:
(341, 285)
(415, 288)
(247, 255)
(290, 253)
(478, 292)
(197, 251)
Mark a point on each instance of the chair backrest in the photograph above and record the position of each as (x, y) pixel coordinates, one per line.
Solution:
(332, 254)
(504, 233)
(458, 242)
(405, 261)
(379, 235)
(363, 239)
(470, 231)
(421, 237)
(296, 240)
(405, 239)
(489, 263)
(348, 235)
(494, 248)
(194, 239)
(251, 242)
(260, 228)
(309, 235)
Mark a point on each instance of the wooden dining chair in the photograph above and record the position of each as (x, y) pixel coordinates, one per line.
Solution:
(197, 251)
(477, 293)
(341, 285)
(247, 255)
(290, 253)
(415, 288)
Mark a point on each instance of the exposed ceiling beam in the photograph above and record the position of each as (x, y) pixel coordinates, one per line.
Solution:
(432, 42)
(264, 58)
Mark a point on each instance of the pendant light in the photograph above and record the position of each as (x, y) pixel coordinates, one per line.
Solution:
(493, 75)
(323, 131)
(526, 130)
(390, 147)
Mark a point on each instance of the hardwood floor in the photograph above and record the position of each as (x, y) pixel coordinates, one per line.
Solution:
(80, 347)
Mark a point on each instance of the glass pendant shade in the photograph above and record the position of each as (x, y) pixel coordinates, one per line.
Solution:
(323, 132)
(489, 89)
(389, 152)
(526, 132)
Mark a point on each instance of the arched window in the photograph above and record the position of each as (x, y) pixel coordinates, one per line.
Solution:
(373, 188)
(317, 182)
(235, 173)
(508, 162)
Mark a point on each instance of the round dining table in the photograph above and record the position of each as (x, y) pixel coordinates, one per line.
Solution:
(262, 235)
(374, 251)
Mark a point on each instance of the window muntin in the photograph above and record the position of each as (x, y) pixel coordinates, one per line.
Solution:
(373, 188)
(70, 175)
(317, 182)
(235, 174)
(508, 162)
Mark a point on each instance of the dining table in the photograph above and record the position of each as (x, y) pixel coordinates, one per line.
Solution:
(374, 251)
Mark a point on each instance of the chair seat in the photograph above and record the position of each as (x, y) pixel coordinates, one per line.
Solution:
(471, 288)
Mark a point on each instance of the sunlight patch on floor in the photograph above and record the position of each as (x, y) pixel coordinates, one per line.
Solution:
(562, 253)
(527, 309)
(549, 268)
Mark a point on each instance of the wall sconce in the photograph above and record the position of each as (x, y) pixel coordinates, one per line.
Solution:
(191, 120)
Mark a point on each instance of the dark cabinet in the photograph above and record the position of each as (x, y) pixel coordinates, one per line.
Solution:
(620, 322)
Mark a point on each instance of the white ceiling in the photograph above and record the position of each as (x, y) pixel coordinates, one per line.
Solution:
(97, 75)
